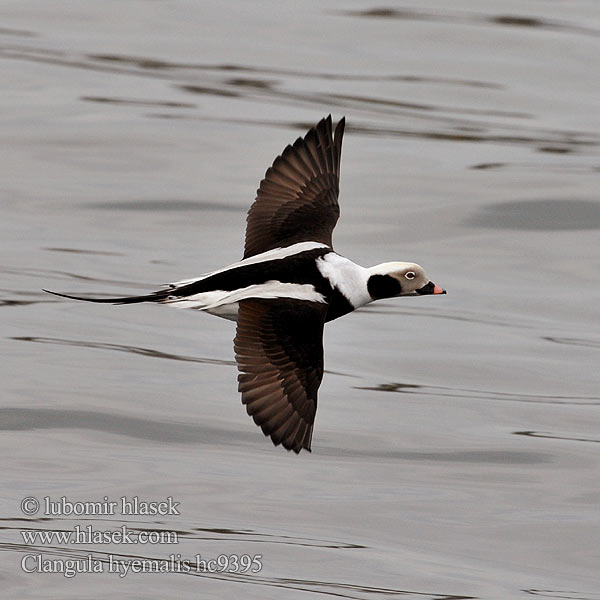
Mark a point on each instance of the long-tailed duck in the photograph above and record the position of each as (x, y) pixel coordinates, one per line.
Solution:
(289, 283)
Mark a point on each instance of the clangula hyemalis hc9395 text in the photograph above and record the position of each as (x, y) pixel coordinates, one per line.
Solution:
(289, 283)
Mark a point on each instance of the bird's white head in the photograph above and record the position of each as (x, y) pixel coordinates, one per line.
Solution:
(391, 279)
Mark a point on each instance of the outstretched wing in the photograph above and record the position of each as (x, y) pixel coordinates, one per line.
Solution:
(279, 351)
(298, 199)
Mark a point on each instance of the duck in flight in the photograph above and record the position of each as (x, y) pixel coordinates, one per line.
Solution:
(289, 283)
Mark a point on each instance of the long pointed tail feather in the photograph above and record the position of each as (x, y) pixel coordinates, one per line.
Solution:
(153, 297)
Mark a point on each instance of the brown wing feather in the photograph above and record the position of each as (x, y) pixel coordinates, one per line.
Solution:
(279, 351)
(297, 201)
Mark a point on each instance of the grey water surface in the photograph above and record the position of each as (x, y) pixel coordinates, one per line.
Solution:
(456, 449)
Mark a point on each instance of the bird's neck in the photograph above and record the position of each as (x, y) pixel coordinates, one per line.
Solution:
(346, 277)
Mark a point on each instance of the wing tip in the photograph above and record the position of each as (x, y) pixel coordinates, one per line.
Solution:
(296, 446)
(327, 123)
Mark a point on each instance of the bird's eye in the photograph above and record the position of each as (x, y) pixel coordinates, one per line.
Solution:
(410, 275)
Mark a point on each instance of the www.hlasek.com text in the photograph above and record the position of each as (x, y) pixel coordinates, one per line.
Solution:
(88, 535)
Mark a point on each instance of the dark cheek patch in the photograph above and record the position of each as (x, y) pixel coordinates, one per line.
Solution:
(383, 286)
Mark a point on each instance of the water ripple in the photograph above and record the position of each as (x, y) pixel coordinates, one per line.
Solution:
(150, 63)
(573, 341)
(166, 204)
(16, 32)
(29, 419)
(465, 393)
(248, 535)
(524, 21)
(82, 251)
(389, 309)
(57, 274)
(206, 534)
(131, 349)
(562, 594)
(133, 102)
(539, 215)
(539, 434)
(12, 302)
(446, 123)
(124, 348)
(328, 588)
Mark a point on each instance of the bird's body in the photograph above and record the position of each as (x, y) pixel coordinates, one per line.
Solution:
(307, 271)
(289, 283)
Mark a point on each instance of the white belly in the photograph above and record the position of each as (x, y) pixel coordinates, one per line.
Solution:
(225, 311)
(225, 303)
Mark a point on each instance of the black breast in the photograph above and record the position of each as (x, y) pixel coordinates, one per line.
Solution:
(339, 305)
